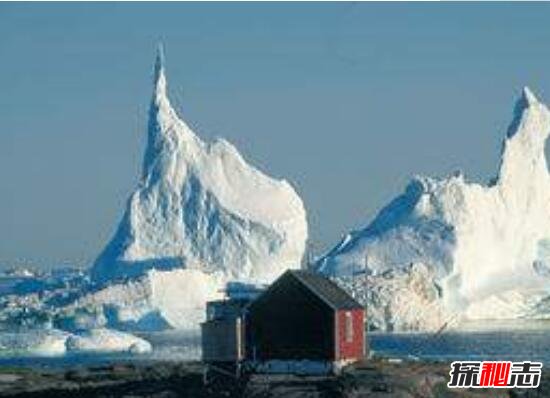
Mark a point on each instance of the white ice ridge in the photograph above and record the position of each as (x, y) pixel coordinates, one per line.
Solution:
(483, 249)
(200, 205)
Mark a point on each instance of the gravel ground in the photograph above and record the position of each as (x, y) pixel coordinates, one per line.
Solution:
(375, 378)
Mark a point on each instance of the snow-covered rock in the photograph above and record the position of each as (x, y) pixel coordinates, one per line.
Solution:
(486, 248)
(201, 216)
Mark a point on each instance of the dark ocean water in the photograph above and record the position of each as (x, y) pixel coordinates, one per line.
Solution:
(515, 341)
(494, 340)
(497, 345)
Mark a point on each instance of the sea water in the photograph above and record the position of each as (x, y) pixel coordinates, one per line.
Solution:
(509, 340)
(481, 341)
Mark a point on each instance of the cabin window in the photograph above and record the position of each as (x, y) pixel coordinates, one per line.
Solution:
(348, 327)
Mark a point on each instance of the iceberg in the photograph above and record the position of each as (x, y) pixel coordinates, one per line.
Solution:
(200, 217)
(156, 301)
(33, 343)
(449, 250)
(106, 341)
(55, 342)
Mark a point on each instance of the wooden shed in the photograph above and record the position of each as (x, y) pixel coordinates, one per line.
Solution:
(305, 316)
(223, 331)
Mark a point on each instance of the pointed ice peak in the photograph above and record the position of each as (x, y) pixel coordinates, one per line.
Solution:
(523, 160)
(159, 62)
(528, 97)
(162, 116)
(525, 101)
(160, 78)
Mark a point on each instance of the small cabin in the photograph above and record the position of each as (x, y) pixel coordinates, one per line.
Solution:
(304, 316)
(302, 323)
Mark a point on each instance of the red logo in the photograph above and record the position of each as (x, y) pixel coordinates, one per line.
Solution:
(501, 374)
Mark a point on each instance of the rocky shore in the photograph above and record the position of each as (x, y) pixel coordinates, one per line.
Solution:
(374, 378)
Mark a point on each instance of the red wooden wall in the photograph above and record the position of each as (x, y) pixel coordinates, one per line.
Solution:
(355, 348)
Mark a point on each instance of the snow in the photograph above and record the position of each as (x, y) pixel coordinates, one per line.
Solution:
(199, 205)
(485, 248)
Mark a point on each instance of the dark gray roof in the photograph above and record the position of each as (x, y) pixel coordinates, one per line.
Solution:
(325, 289)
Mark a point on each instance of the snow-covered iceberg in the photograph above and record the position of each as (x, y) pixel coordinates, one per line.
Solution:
(201, 216)
(106, 341)
(448, 250)
(37, 342)
(54, 342)
(158, 300)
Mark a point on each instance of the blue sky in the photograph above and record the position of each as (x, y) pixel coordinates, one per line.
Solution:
(347, 101)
